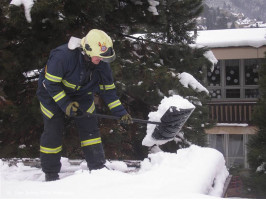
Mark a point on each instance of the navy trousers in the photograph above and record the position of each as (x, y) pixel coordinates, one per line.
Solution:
(51, 142)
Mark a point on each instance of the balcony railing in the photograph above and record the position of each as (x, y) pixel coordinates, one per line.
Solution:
(231, 112)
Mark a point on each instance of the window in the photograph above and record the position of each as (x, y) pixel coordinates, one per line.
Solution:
(232, 93)
(233, 147)
(251, 72)
(251, 78)
(214, 81)
(232, 72)
(236, 150)
(234, 79)
(214, 76)
(217, 142)
(251, 93)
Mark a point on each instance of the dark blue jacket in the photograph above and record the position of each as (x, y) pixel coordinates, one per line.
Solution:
(67, 77)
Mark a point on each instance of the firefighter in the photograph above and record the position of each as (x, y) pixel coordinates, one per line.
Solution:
(66, 86)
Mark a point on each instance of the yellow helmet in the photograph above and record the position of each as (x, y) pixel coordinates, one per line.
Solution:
(98, 43)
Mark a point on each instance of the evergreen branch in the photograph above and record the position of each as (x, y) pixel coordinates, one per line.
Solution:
(142, 39)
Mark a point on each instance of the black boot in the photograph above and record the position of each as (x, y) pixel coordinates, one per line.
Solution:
(97, 167)
(51, 177)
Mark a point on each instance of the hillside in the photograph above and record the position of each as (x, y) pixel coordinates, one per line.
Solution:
(251, 9)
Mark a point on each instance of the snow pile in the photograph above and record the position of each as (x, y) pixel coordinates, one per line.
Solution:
(232, 124)
(210, 56)
(27, 7)
(166, 103)
(194, 172)
(152, 8)
(74, 43)
(31, 73)
(255, 37)
(261, 168)
(187, 79)
(189, 163)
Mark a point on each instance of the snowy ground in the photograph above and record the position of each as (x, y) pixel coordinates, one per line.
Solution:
(194, 172)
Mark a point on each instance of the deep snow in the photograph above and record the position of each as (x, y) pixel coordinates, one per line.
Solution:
(194, 172)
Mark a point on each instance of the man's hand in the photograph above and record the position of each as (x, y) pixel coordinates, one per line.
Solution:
(73, 109)
(126, 119)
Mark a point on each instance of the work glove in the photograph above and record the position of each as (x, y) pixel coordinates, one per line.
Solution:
(126, 119)
(73, 110)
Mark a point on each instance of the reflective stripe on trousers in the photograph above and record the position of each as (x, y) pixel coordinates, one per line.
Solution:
(50, 150)
(51, 142)
(91, 142)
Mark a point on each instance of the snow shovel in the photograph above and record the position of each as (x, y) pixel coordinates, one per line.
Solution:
(171, 122)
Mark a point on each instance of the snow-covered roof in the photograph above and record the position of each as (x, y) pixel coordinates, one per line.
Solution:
(254, 37)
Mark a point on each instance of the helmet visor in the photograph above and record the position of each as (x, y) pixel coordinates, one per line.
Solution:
(108, 56)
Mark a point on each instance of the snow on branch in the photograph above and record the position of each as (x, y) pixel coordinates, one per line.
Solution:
(187, 80)
(152, 8)
(210, 56)
(27, 7)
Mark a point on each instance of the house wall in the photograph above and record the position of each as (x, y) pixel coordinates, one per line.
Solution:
(239, 52)
(226, 138)
(247, 130)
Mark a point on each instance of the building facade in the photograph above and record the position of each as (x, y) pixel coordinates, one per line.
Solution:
(233, 86)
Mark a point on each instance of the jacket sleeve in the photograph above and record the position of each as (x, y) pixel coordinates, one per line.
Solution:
(54, 73)
(107, 91)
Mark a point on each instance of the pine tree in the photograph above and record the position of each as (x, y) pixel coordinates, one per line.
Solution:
(257, 143)
(145, 69)
(25, 49)
(149, 69)
(257, 148)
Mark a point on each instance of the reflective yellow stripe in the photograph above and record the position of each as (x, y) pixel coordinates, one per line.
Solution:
(47, 112)
(114, 104)
(67, 84)
(70, 85)
(92, 108)
(107, 87)
(53, 78)
(59, 96)
(91, 142)
(50, 150)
